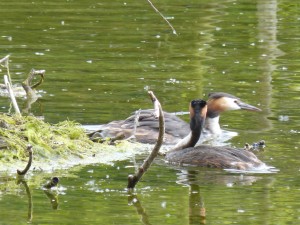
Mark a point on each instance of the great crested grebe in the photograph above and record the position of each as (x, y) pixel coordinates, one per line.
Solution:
(175, 128)
(217, 103)
(206, 155)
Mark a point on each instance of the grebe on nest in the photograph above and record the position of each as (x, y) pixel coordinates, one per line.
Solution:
(175, 128)
(205, 155)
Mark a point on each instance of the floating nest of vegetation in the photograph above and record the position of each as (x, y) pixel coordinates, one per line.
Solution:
(62, 139)
(57, 146)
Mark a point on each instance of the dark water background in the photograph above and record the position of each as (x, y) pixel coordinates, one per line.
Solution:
(100, 58)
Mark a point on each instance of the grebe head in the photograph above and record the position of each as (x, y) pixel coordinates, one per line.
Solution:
(219, 102)
(198, 110)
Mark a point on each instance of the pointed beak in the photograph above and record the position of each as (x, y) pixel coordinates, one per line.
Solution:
(248, 107)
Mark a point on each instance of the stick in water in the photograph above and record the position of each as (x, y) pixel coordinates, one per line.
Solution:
(4, 62)
(136, 121)
(23, 172)
(167, 21)
(11, 94)
(134, 179)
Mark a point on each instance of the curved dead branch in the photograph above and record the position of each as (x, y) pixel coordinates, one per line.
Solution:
(23, 172)
(134, 179)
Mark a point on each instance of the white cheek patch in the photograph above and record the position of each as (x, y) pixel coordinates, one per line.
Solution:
(230, 104)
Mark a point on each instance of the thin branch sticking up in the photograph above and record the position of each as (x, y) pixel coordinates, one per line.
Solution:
(134, 179)
(167, 21)
(11, 94)
(136, 121)
(5, 63)
(4, 60)
(136, 124)
(23, 172)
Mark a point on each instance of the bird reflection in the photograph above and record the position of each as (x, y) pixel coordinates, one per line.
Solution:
(197, 211)
(193, 176)
(194, 179)
(53, 197)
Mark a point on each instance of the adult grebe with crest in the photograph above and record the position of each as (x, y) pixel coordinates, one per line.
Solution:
(205, 155)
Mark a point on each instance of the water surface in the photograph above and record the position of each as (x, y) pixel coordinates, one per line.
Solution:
(101, 57)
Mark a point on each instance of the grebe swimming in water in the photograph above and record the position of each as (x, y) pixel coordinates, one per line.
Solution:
(175, 128)
(205, 155)
(217, 103)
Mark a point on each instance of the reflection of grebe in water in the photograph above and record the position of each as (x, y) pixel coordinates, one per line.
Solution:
(208, 156)
(176, 128)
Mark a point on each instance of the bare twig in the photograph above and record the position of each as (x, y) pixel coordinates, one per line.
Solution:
(156, 106)
(167, 21)
(27, 85)
(136, 121)
(23, 172)
(134, 179)
(136, 124)
(4, 62)
(11, 94)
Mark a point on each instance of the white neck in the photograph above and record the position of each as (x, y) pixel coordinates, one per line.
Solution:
(212, 125)
(183, 142)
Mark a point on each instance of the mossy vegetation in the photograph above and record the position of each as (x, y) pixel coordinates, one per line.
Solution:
(56, 146)
(48, 140)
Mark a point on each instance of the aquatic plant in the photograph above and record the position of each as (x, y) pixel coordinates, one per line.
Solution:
(48, 140)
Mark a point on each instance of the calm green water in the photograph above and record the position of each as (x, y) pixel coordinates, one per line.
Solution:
(101, 56)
